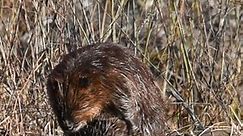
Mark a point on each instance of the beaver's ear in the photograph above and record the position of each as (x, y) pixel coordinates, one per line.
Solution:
(84, 82)
(56, 75)
(55, 79)
(52, 85)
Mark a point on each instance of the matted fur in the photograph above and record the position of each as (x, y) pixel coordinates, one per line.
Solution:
(102, 90)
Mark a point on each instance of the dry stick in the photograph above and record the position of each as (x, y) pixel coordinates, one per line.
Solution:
(114, 19)
(113, 29)
(179, 98)
(81, 26)
(87, 21)
(134, 26)
(187, 64)
(102, 35)
(151, 25)
(158, 6)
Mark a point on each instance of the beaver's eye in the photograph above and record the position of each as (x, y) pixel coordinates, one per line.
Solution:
(84, 82)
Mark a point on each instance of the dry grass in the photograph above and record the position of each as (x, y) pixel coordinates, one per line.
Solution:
(193, 47)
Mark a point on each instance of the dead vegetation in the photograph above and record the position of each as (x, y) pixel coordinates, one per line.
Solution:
(194, 48)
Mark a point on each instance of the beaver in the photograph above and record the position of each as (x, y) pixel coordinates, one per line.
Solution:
(104, 90)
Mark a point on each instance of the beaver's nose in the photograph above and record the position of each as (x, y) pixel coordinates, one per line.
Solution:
(69, 125)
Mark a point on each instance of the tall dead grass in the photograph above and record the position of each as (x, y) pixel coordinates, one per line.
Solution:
(193, 47)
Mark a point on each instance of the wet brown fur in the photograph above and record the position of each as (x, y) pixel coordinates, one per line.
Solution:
(102, 90)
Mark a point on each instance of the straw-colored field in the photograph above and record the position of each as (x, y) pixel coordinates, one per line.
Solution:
(193, 47)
